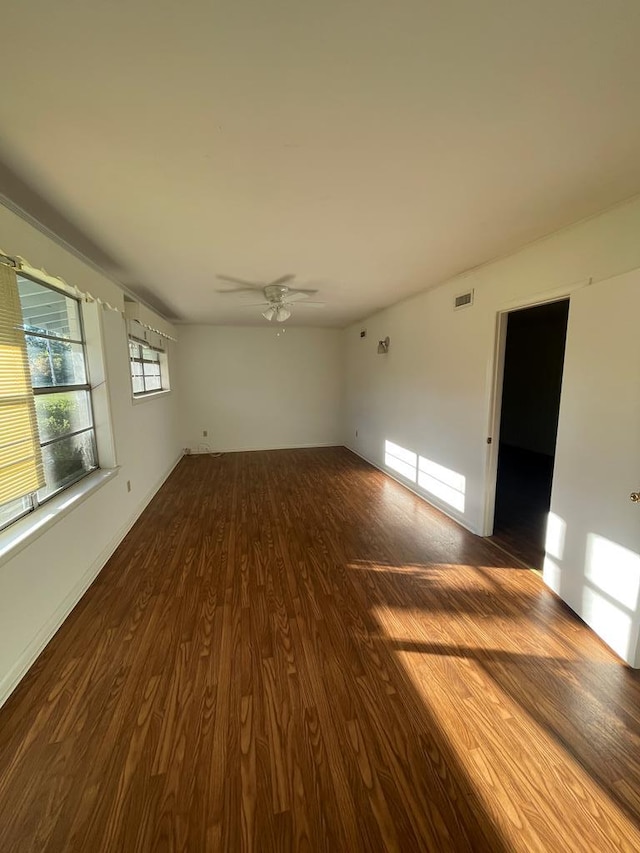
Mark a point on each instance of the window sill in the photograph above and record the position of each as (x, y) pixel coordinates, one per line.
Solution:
(144, 398)
(24, 531)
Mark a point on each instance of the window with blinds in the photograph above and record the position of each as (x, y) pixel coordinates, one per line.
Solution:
(47, 402)
(21, 469)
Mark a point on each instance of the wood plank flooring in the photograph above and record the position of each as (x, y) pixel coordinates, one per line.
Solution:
(290, 651)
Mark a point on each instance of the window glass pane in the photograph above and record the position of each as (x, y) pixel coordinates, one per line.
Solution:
(151, 369)
(134, 350)
(138, 384)
(153, 383)
(46, 310)
(60, 414)
(66, 461)
(55, 362)
(14, 509)
(150, 354)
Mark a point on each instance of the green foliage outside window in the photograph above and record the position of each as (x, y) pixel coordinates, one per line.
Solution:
(67, 457)
(60, 413)
(50, 362)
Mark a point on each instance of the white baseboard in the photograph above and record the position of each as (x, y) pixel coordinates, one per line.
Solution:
(422, 497)
(28, 657)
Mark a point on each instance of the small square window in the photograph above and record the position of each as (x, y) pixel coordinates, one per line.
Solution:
(147, 367)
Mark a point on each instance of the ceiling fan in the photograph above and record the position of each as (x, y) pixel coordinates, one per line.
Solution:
(278, 296)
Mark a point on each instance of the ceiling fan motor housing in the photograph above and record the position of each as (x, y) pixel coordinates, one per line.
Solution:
(276, 292)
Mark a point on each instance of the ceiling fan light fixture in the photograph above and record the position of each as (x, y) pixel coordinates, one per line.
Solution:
(278, 295)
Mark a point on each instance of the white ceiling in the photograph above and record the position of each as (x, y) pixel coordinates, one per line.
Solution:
(372, 148)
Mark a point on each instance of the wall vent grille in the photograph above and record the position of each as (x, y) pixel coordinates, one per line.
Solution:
(463, 300)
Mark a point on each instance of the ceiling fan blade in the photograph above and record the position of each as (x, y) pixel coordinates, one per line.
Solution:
(296, 295)
(283, 279)
(248, 284)
(240, 290)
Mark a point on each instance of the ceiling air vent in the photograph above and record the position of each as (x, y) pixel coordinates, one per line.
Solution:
(463, 300)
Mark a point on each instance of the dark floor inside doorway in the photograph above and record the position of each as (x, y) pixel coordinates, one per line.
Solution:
(523, 495)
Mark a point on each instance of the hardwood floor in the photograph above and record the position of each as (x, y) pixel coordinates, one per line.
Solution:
(290, 651)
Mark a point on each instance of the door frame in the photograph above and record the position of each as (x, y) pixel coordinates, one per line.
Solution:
(496, 385)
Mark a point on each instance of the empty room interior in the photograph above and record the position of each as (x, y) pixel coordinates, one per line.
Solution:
(320, 426)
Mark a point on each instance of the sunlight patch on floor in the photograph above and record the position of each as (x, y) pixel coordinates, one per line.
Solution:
(470, 695)
(406, 569)
(431, 627)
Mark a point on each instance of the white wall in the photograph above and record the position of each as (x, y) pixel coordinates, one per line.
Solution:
(432, 393)
(43, 581)
(259, 388)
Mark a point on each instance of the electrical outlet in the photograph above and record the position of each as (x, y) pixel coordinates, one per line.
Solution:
(128, 485)
(205, 433)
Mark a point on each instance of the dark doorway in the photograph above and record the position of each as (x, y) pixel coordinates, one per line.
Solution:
(534, 357)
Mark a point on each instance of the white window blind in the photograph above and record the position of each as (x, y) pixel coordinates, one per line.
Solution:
(21, 469)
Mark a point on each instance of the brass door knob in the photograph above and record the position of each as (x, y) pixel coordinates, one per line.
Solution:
(635, 497)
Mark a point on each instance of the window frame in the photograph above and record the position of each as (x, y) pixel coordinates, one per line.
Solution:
(32, 497)
(161, 361)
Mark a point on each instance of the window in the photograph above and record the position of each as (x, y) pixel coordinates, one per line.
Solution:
(51, 325)
(147, 374)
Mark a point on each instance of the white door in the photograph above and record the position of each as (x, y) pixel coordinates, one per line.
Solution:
(593, 536)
